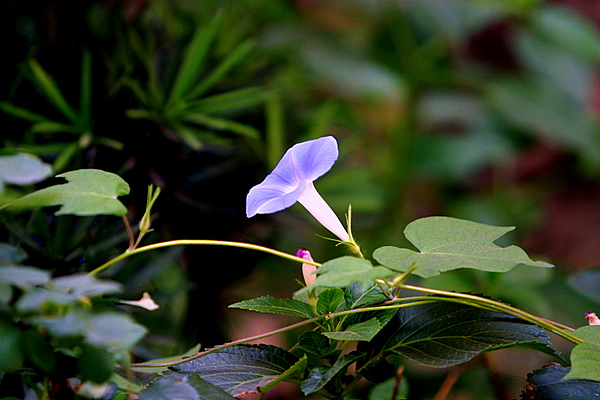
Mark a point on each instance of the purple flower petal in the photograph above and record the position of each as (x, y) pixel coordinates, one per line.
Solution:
(299, 166)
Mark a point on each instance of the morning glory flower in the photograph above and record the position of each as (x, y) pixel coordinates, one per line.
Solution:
(292, 181)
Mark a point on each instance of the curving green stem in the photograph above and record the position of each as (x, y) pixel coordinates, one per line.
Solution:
(203, 243)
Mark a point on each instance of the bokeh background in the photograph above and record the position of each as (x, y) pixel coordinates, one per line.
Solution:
(480, 109)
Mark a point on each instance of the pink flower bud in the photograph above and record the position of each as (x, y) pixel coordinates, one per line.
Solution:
(307, 269)
(592, 318)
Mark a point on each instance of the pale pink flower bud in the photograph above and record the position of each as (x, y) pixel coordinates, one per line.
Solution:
(592, 318)
(307, 269)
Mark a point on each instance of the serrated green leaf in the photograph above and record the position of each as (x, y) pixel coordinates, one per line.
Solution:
(269, 304)
(329, 300)
(549, 384)
(87, 192)
(446, 243)
(320, 376)
(362, 331)
(183, 387)
(313, 342)
(442, 334)
(240, 369)
(344, 271)
(585, 357)
(292, 372)
(356, 297)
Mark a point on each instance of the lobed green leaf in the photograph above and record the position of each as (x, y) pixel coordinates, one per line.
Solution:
(87, 192)
(446, 243)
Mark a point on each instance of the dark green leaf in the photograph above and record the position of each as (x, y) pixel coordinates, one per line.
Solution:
(88, 192)
(330, 300)
(95, 364)
(356, 297)
(39, 351)
(240, 369)
(549, 384)
(446, 243)
(292, 372)
(344, 271)
(178, 386)
(313, 342)
(442, 334)
(362, 331)
(320, 376)
(11, 356)
(269, 304)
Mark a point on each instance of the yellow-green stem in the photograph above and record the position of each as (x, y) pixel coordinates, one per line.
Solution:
(203, 243)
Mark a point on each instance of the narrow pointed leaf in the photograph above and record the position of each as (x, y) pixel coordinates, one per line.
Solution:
(87, 192)
(22, 113)
(51, 91)
(549, 383)
(229, 101)
(240, 369)
(194, 59)
(269, 304)
(236, 56)
(442, 334)
(363, 331)
(445, 244)
(223, 125)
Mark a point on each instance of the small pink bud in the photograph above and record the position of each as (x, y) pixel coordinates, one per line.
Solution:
(307, 269)
(592, 318)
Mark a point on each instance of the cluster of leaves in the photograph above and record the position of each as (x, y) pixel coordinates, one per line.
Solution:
(60, 328)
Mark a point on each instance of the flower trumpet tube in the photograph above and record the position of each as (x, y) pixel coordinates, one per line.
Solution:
(292, 181)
